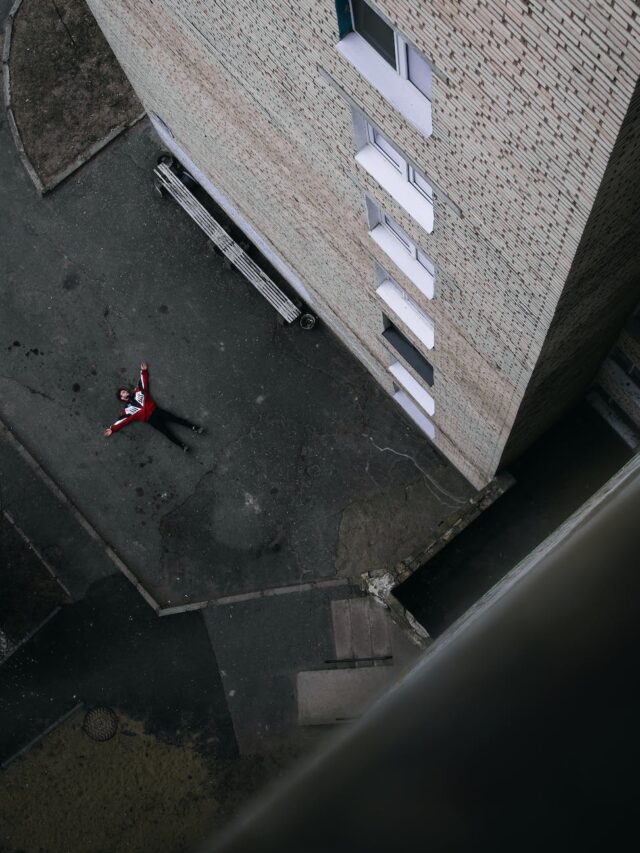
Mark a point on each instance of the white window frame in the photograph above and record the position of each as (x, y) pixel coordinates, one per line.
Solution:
(381, 144)
(402, 48)
(400, 235)
(402, 64)
(388, 167)
(394, 84)
(416, 414)
(406, 310)
(412, 387)
(384, 147)
(398, 246)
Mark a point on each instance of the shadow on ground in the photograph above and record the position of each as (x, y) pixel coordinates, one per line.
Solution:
(553, 479)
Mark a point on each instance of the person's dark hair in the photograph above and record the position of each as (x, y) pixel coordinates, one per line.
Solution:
(118, 394)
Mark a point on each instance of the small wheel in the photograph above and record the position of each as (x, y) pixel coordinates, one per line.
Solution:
(307, 321)
(167, 158)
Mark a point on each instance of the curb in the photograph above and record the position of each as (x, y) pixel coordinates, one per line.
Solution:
(39, 471)
(381, 584)
(15, 132)
(33, 548)
(269, 592)
(90, 153)
(31, 634)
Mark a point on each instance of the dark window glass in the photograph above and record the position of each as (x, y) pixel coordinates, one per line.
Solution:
(407, 350)
(343, 12)
(372, 28)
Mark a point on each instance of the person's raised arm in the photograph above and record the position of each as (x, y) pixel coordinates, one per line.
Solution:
(144, 376)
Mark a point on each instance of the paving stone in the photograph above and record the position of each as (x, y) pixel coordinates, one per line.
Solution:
(360, 631)
(336, 695)
(379, 627)
(341, 620)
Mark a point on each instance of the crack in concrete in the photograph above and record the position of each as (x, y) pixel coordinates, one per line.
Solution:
(371, 477)
(192, 493)
(28, 388)
(458, 501)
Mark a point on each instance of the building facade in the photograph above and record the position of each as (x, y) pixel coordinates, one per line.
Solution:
(424, 174)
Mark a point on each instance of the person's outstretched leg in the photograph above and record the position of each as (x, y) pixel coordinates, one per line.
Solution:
(159, 422)
(176, 419)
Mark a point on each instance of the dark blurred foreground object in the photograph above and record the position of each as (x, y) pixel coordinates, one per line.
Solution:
(518, 730)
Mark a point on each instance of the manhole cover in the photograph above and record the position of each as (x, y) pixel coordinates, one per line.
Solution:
(100, 723)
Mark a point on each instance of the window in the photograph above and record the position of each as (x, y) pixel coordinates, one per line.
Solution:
(372, 28)
(419, 419)
(387, 60)
(385, 148)
(395, 243)
(399, 234)
(412, 387)
(406, 310)
(395, 49)
(406, 349)
(411, 248)
(386, 165)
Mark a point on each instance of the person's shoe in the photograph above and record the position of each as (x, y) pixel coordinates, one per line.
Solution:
(198, 429)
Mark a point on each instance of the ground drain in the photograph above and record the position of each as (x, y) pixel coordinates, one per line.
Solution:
(100, 723)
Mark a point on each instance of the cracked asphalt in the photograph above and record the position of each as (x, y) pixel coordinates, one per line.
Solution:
(308, 470)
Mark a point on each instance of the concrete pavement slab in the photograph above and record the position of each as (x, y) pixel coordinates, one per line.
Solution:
(328, 696)
(260, 646)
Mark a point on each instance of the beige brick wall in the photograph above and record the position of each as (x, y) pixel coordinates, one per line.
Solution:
(526, 112)
(602, 288)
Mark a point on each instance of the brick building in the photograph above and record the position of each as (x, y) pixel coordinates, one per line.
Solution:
(452, 186)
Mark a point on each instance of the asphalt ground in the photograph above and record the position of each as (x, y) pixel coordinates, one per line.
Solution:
(102, 274)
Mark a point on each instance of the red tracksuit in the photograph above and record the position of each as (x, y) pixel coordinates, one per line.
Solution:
(140, 405)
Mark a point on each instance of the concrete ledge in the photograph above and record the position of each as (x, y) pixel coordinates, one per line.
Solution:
(382, 584)
(329, 696)
(254, 594)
